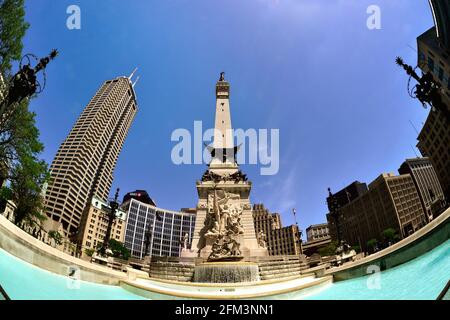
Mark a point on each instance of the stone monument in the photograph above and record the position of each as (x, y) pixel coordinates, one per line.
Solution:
(224, 229)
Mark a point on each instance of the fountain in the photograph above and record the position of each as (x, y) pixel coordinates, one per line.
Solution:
(226, 272)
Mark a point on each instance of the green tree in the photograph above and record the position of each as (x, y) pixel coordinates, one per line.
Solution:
(27, 179)
(372, 243)
(5, 195)
(19, 137)
(89, 252)
(56, 236)
(389, 235)
(12, 29)
(328, 250)
(119, 250)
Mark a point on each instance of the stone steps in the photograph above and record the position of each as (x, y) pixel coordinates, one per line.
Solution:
(172, 268)
(172, 271)
(279, 269)
(278, 263)
(164, 272)
(280, 276)
(173, 278)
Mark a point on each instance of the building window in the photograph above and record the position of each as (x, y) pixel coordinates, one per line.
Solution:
(441, 74)
(430, 64)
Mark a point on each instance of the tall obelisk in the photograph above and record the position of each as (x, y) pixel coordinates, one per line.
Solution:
(224, 228)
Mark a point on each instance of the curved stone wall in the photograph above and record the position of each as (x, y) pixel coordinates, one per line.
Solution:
(24, 246)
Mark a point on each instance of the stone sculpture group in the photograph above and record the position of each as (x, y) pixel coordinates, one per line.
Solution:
(225, 227)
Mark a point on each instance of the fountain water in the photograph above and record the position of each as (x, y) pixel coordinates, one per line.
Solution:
(226, 272)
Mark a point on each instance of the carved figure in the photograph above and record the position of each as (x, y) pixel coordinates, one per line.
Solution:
(262, 239)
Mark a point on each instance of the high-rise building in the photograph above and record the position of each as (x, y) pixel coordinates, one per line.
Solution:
(434, 57)
(279, 240)
(343, 197)
(350, 193)
(317, 232)
(390, 202)
(441, 16)
(140, 195)
(264, 220)
(286, 241)
(427, 184)
(155, 231)
(434, 142)
(97, 219)
(84, 164)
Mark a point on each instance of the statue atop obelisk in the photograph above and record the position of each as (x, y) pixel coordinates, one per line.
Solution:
(224, 228)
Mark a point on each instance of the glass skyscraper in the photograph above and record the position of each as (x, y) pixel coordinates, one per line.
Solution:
(162, 229)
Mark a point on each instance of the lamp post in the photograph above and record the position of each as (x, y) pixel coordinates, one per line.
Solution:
(294, 212)
(333, 207)
(148, 239)
(24, 83)
(427, 90)
(111, 216)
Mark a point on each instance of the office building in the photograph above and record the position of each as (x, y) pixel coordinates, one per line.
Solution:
(96, 223)
(279, 240)
(139, 195)
(427, 184)
(441, 16)
(343, 197)
(84, 164)
(154, 231)
(317, 232)
(390, 202)
(265, 221)
(286, 241)
(434, 57)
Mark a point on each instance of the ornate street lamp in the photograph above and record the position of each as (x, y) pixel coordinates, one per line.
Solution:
(427, 90)
(333, 207)
(147, 241)
(111, 216)
(24, 83)
(149, 234)
(294, 212)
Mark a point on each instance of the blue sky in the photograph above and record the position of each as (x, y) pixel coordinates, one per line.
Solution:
(307, 67)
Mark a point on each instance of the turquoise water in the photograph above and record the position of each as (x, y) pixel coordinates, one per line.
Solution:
(421, 278)
(23, 281)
